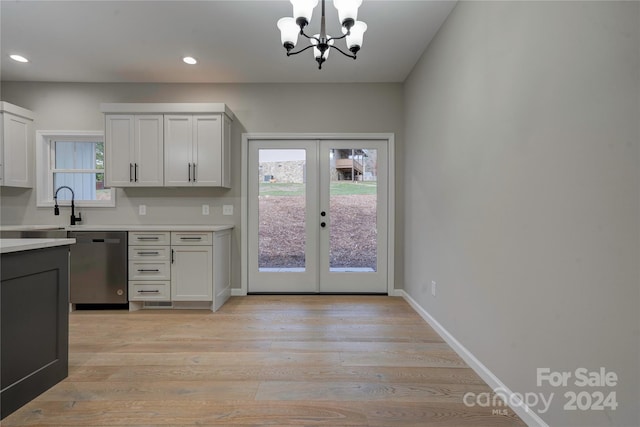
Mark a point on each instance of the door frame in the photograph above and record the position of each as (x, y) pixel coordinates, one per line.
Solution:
(244, 195)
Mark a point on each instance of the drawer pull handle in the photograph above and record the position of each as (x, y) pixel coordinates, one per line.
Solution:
(148, 238)
(148, 270)
(148, 253)
(149, 292)
(191, 238)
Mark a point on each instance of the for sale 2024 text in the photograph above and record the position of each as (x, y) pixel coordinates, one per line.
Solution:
(585, 399)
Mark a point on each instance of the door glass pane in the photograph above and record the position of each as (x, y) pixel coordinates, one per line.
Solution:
(353, 210)
(281, 204)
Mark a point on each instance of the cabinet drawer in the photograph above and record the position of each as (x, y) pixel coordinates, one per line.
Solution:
(140, 270)
(148, 238)
(150, 291)
(191, 238)
(148, 253)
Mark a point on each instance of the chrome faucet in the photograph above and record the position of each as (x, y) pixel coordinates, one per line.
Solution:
(56, 209)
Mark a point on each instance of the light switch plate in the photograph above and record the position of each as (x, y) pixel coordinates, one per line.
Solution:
(227, 209)
(142, 209)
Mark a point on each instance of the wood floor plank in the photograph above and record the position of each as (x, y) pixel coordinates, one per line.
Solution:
(277, 360)
(411, 414)
(363, 391)
(435, 359)
(151, 390)
(275, 373)
(203, 358)
(193, 412)
(358, 346)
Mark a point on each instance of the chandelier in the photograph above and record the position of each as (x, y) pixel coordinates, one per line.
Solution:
(352, 29)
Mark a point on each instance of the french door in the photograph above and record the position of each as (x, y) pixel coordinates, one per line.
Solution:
(317, 213)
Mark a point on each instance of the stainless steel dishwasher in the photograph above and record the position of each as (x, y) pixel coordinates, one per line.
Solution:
(98, 267)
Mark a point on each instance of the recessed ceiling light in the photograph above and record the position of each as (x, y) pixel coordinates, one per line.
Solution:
(190, 60)
(18, 58)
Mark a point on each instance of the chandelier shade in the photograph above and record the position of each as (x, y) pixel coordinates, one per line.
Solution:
(293, 27)
(316, 48)
(347, 11)
(354, 39)
(289, 31)
(303, 10)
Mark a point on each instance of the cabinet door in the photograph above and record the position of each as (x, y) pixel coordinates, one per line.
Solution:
(1, 148)
(207, 150)
(149, 151)
(119, 141)
(226, 153)
(18, 151)
(178, 142)
(192, 273)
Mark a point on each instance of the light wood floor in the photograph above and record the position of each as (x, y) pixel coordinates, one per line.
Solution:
(262, 360)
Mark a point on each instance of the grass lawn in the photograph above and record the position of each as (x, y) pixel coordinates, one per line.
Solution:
(338, 188)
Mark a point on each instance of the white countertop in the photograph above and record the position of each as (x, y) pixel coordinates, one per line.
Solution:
(30, 227)
(134, 227)
(120, 227)
(17, 245)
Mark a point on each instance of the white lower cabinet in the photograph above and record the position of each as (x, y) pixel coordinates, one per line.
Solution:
(180, 267)
(149, 290)
(149, 266)
(192, 273)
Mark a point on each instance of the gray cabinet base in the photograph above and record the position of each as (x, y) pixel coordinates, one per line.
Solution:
(34, 324)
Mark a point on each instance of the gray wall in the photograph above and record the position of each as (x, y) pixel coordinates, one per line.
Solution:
(522, 162)
(258, 107)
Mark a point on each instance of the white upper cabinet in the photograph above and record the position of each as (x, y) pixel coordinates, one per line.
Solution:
(182, 145)
(16, 146)
(194, 151)
(178, 156)
(134, 150)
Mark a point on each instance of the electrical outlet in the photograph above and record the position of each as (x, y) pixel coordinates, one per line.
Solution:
(433, 288)
(227, 209)
(205, 209)
(142, 210)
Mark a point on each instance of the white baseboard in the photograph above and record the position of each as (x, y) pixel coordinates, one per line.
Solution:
(523, 411)
(236, 292)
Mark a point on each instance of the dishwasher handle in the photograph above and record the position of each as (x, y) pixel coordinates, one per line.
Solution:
(80, 240)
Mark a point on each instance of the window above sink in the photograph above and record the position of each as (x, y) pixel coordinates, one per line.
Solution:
(74, 159)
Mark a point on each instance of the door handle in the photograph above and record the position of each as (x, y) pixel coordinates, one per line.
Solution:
(323, 224)
(173, 256)
(189, 172)
(130, 172)
(194, 172)
(135, 172)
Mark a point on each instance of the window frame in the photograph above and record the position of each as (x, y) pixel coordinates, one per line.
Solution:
(44, 170)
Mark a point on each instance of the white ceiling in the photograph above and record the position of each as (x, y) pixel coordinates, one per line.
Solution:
(234, 41)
